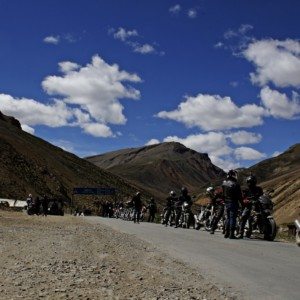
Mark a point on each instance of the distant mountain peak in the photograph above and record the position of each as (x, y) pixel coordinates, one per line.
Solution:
(11, 120)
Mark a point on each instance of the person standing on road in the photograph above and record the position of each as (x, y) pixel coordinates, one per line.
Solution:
(137, 206)
(45, 203)
(251, 195)
(232, 196)
(152, 210)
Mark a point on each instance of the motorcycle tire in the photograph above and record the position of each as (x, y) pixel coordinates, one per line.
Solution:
(197, 227)
(298, 238)
(270, 230)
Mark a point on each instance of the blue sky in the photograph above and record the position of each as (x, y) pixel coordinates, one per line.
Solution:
(221, 77)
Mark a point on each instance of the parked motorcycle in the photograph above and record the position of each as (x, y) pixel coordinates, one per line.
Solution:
(204, 218)
(171, 212)
(186, 215)
(261, 219)
(297, 223)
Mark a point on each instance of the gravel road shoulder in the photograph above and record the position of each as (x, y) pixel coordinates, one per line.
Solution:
(66, 257)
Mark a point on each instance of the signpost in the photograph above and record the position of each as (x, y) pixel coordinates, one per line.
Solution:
(92, 191)
(95, 191)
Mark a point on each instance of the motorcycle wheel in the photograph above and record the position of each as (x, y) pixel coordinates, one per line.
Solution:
(298, 238)
(270, 230)
(197, 227)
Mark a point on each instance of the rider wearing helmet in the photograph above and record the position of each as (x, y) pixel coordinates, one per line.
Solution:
(137, 206)
(184, 197)
(170, 201)
(250, 197)
(217, 202)
(232, 197)
(152, 210)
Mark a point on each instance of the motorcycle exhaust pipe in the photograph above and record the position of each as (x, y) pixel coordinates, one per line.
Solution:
(297, 223)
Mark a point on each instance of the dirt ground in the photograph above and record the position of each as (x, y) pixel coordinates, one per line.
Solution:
(68, 258)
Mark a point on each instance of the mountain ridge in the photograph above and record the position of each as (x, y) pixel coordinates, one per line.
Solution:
(161, 167)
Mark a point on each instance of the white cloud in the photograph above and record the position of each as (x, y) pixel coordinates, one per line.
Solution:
(244, 28)
(152, 142)
(279, 105)
(30, 112)
(192, 13)
(239, 33)
(246, 153)
(244, 137)
(276, 153)
(144, 49)
(67, 66)
(122, 34)
(228, 34)
(96, 88)
(234, 83)
(219, 45)
(97, 130)
(216, 145)
(175, 9)
(52, 39)
(225, 163)
(275, 61)
(27, 128)
(90, 99)
(212, 112)
(213, 143)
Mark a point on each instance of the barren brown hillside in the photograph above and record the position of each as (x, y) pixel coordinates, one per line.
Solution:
(282, 173)
(161, 168)
(30, 165)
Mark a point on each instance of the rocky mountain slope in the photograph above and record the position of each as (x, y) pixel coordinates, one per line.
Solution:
(282, 174)
(31, 165)
(161, 168)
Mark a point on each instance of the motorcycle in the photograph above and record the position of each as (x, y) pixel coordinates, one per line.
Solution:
(171, 220)
(204, 218)
(297, 223)
(261, 219)
(186, 215)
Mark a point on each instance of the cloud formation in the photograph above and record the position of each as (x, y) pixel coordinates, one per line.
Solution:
(218, 147)
(126, 36)
(152, 142)
(52, 39)
(244, 137)
(175, 9)
(122, 34)
(213, 112)
(246, 153)
(279, 105)
(275, 61)
(89, 98)
(192, 13)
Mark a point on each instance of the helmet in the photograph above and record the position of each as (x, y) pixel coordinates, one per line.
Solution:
(172, 194)
(30, 195)
(137, 193)
(251, 180)
(210, 190)
(232, 173)
(184, 190)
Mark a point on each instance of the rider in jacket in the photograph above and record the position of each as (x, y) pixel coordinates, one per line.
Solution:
(217, 202)
(170, 202)
(232, 197)
(251, 195)
(184, 197)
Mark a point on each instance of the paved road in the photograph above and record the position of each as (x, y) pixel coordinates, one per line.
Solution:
(258, 269)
